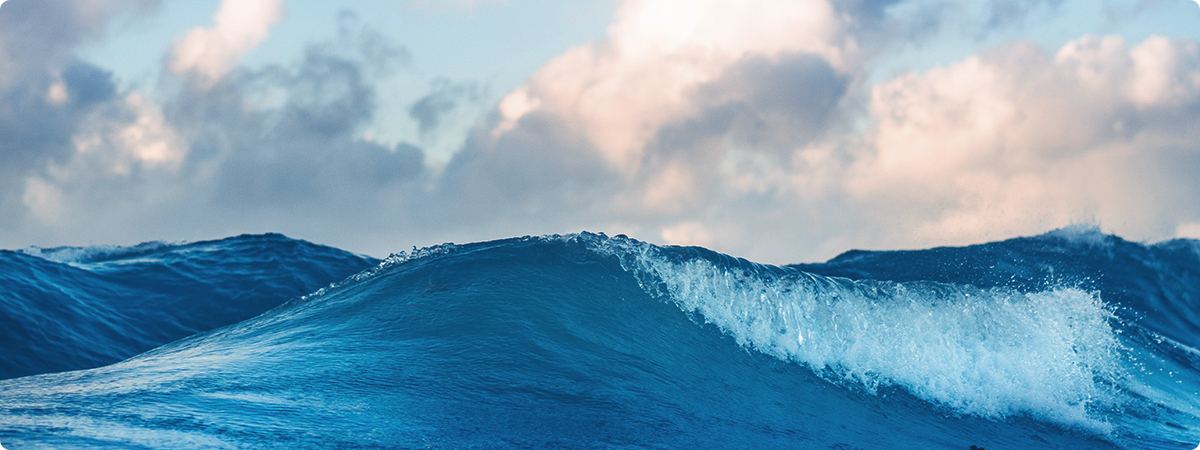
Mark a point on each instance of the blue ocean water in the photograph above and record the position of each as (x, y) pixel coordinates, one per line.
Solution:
(70, 308)
(1069, 340)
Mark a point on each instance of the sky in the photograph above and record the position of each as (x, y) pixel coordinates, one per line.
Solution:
(780, 131)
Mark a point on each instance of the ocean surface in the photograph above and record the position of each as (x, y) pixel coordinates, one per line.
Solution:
(1069, 340)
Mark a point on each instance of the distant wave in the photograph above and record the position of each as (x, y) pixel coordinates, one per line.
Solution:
(69, 308)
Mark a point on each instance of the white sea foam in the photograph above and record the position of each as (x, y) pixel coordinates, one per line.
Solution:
(84, 255)
(992, 353)
(1084, 234)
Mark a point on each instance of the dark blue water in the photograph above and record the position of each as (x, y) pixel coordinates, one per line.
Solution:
(1068, 340)
(71, 308)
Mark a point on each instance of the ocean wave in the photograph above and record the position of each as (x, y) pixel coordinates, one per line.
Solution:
(992, 353)
(70, 308)
(587, 341)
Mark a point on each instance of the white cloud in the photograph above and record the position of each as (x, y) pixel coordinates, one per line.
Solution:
(687, 233)
(744, 121)
(136, 136)
(43, 199)
(124, 149)
(700, 122)
(1163, 73)
(1189, 230)
(747, 127)
(238, 26)
(1017, 140)
(148, 139)
(619, 92)
(212, 162)
(57, 93)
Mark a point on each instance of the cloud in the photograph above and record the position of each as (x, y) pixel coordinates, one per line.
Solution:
(663, 131)
(620, 91)
(753, 130)
(139, 138)
(39, 114)
(279, 162)
(541, 177)
(749, 127)
(38, 36)
(40, 74)
(445, 97)
(207, 54)
(46, 94)
(1019, 139)
(1188, 230)
(43, 199)
(275, 148)
(123, 151)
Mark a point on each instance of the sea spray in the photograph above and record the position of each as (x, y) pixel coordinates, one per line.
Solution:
(992, 353)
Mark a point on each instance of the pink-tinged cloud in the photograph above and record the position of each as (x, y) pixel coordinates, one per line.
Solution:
(753, 131)
(620, 91)
(665, 127)
(1018, 139)
(747, 127)
(238, 26)
(125, 141)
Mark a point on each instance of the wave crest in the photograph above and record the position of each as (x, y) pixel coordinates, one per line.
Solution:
(993, 353)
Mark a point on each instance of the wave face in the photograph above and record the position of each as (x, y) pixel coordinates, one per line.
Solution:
(1067, 340)
(70, 308)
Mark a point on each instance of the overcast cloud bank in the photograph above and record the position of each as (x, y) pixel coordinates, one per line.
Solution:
(747, 127)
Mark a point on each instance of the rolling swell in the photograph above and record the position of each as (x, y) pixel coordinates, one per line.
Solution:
(586, 341)
(70, 308)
